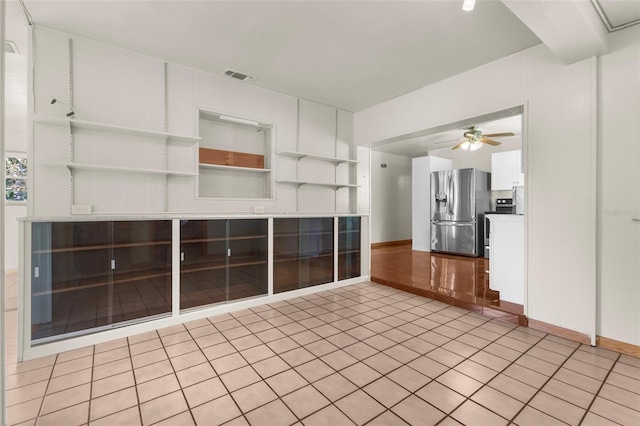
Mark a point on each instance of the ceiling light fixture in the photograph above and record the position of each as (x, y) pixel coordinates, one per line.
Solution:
(468, 5)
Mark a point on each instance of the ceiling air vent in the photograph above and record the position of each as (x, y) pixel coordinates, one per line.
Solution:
(237, 75)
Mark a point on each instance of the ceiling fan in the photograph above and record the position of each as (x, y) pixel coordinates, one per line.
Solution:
(474, 138)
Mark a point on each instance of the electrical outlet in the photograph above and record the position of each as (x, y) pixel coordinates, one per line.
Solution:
(258, 209)
(81, 209)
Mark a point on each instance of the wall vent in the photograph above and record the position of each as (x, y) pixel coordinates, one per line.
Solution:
(237, 75)
(10, 47)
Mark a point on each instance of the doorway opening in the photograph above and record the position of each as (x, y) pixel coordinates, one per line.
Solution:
(403, 252)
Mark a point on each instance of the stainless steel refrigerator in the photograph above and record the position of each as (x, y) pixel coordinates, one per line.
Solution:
(458, 199)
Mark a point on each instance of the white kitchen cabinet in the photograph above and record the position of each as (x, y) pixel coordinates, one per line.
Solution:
(506, 264)
(506, 170)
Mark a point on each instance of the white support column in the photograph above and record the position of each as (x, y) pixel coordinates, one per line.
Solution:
(3, 416)
(270, 256)
(175, 267)
(336, 232)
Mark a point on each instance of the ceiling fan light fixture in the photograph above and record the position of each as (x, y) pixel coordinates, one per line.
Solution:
(465, 145)
(468, 5)
(475, 145)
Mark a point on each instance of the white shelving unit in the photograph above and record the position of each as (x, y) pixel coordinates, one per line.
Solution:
(327, 184)
(84, 166)
(334, 160)
(234, 157)
(234, 168)
(159, 171)
(92, 125)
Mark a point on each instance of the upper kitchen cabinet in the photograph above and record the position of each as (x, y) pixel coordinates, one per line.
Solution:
(234, 157)
(506, 170)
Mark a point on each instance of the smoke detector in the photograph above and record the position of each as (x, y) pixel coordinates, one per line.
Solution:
(237, 75)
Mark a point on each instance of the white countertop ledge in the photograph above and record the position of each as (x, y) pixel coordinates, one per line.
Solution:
(506, 217)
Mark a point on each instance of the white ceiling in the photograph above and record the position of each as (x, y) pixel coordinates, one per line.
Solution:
(617, 14)
(445, 140)
(348, 54)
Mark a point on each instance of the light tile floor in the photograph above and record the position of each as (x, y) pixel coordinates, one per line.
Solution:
(363, 354)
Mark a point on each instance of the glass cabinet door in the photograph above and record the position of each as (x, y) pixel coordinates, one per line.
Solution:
(316, 251)
(142, 269)
(247, 258)
(348, 247)
(286, 274)
(203, 262)
(89, 275)
(70, 277)
(303, 253)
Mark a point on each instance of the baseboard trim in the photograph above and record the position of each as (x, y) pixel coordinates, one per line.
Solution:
(576, 336)
(390, 244)
(618, 346)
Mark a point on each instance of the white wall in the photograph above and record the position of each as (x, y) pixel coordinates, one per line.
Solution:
(15, 134)
(390, 197)
(120, 87)
(619, 189)
(559, 103)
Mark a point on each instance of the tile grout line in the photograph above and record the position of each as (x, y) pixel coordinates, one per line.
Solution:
(242, 414)
(328, 299)
(595, 395)
(135, 380)
(55, 361)
(527, 404)
(93, 361)
(308, 329)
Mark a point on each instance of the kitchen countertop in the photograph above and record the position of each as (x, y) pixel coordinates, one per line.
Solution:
(506, 217)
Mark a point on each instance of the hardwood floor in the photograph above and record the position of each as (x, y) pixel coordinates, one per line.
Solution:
(457, 280)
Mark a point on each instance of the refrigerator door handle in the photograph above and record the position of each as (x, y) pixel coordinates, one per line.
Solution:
(454, 223)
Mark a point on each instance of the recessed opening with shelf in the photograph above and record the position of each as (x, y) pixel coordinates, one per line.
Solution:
(234, 157)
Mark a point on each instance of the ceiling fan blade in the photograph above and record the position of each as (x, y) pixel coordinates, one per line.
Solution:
(499, 135)
(490, 141)
(460, 144)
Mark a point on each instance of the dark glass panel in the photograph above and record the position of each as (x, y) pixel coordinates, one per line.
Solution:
(70, 272)
(203, 273)
(303, 253)
(248, 247)
(142, 274)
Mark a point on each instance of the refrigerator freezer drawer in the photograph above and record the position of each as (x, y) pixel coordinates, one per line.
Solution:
(457, 238)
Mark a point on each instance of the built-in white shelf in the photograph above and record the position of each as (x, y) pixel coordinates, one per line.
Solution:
(331, 185)
(296, 154)
(92, 125)
(84, 166)
(233, 168)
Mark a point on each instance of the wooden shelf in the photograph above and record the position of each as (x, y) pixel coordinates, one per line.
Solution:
(92, 125)
(299, 155)
(209, 266)
(102, 247)
(219, 157)
(296, 256)
(298, 234)
(327, 184)
(233, 168)
(208, 240)
(103, 283)
(85, 166)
